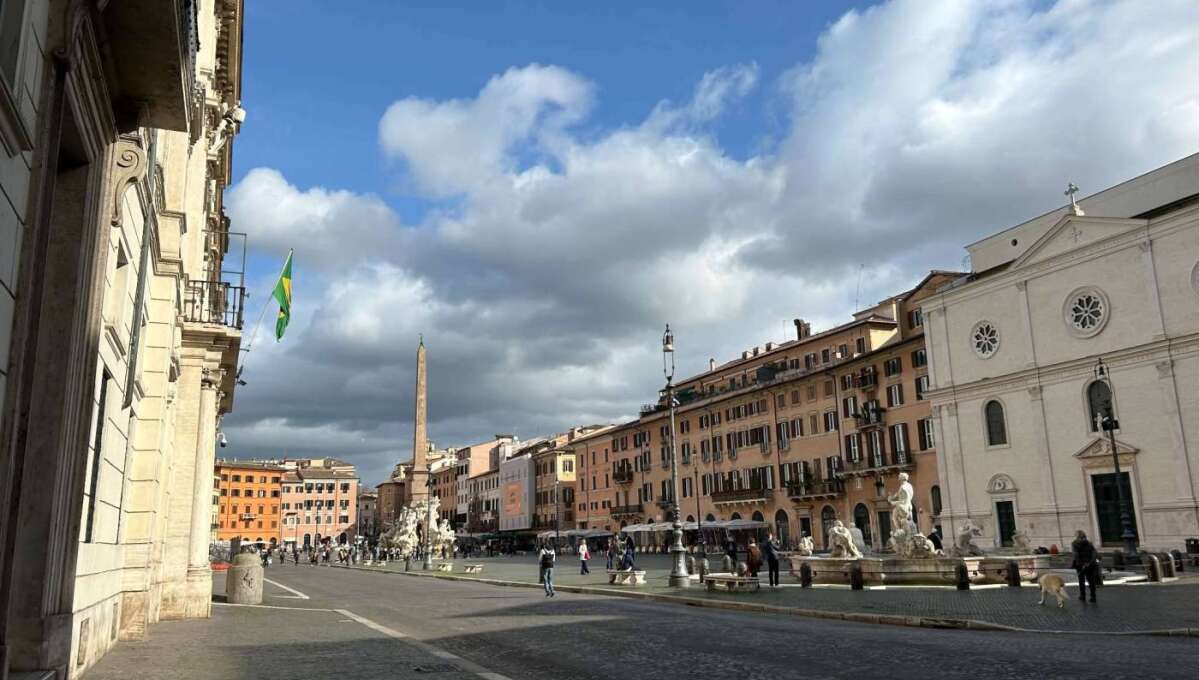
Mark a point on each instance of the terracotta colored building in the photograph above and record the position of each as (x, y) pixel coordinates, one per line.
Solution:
(794, 435)
(319, 503)
(248, 497)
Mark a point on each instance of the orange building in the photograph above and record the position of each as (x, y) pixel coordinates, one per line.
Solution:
(248, 495)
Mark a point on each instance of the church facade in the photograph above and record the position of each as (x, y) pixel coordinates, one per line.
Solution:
(1015, 351)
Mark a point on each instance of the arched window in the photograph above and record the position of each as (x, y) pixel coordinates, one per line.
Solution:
(1099, 396)
(710, 518)
(690, 518)
(996, 427)
(735, 515)
(758, 516)
(782, 527)
(935, 497)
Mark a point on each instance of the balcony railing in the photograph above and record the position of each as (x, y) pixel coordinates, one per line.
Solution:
(892, 461)
(626, 509)
(623, 476)
(816, 488)
(214, 302)
(740, 495)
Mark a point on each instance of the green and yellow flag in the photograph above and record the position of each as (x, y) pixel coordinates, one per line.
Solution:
(283, 295)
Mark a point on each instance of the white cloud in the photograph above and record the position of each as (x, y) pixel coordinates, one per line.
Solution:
(542, 283)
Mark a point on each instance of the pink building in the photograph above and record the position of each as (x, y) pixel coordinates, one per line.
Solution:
(319, 503)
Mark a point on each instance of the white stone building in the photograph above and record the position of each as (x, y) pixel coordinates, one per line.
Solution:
(119, 326)
(1012, 354)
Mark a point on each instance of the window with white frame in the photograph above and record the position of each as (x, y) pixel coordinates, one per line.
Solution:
(895, 395)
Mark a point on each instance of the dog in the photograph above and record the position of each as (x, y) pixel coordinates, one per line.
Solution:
(1052, 584)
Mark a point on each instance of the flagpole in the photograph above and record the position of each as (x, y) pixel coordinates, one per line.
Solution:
(262, 314)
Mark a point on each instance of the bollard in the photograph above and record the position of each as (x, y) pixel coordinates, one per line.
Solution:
(243, 581)
(1178, 561)
(1118, 560)
(690, 564)
(856, 582)
(1013, 573)
(1153, 568)
(962, 575)
(1167, 566)
(703, 568)
(805, 575)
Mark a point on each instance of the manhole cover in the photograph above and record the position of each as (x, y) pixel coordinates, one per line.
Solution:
(436, 668)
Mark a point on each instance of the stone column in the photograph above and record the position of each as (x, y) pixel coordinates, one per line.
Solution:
(201, 524)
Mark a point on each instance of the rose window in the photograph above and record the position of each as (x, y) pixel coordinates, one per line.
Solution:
(985, 339)
(1086, 312)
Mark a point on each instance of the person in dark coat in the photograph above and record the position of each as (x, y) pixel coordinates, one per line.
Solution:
(1086, 563)
(770, 549)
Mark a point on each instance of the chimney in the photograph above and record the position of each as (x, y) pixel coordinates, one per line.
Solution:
(745, 354)
(769, 346)
(799, 329)
(712, 364)
(756, 350)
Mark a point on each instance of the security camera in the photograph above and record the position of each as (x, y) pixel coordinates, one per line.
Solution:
(222, 439)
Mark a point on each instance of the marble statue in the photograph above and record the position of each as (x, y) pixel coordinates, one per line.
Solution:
(806, 546)
(963, 545)
(841, 542)
(920, 547)
(901, 504)
(404, 536)
(906, 540)
(1020, 542)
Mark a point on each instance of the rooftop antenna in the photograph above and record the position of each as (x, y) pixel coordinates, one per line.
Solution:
(857, 295)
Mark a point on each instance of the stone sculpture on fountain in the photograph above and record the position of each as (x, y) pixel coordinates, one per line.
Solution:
(806, 546)
(841, 542)
(964, 542)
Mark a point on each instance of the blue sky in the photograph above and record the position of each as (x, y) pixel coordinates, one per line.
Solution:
(539, 187)
(316, 80)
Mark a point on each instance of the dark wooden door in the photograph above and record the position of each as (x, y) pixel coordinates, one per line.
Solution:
(1007, 521)
(884, 528)
(1107, 507)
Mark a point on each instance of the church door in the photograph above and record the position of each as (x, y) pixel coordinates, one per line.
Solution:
(1107, 508)
(1007, 521)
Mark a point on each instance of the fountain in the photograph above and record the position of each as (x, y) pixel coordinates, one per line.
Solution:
(912, 558)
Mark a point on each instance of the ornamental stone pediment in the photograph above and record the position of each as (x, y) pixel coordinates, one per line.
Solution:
(1072, 232)
(1099, 451)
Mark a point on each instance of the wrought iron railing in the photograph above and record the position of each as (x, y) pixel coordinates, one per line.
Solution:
(623, 475)
(626, 509)
(215, 302)
(816, 487)
(740, 495)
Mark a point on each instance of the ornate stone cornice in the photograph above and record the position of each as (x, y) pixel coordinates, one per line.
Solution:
(128, 164)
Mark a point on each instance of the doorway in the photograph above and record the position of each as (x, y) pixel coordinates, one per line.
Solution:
(861, 519)
(1107, 507)
(782, 528)
(884, 528)
(1005, 513)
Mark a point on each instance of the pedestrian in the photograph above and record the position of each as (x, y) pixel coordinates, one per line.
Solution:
(546, 563)
(753, 558)
(295, 557)
(584, 555)
(730, 548)
(770, 548)
(1086, 563)
(630, 553)
(611, 551)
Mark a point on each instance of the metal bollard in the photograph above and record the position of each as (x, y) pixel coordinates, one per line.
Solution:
(1153, 567)
(856, 582)
(1178, 561)
(1118, 560)
(962, 575)
(1013, 573)
(1167, 566)
(805, 575)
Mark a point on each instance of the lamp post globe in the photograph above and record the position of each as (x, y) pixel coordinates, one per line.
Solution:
(679, 578)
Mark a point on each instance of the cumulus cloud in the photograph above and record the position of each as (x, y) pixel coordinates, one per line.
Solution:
(553, 252)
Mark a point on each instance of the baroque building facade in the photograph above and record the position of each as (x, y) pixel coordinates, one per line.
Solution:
(794, 435)
(1014, 352)
(120, 322)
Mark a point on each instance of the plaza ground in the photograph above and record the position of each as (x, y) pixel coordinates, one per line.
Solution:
(321, 622)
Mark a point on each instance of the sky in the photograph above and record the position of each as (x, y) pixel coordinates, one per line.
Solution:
(539, 187)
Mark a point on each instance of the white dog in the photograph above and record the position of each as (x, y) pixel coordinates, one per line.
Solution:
(1052, 584)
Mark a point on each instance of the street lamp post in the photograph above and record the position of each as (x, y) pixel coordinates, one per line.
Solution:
(679, 577)
(699, 516)
(557, 507)
(1109, 424)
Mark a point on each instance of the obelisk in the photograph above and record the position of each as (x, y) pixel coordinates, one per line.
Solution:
(420, 436)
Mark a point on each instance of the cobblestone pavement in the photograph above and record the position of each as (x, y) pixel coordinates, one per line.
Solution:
(1121, 608)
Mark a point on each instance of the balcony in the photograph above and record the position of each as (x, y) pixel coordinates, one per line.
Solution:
(816, 489)
(617, 510)
(870, 416)
(623, 476)
(154, 57)
(214, 302)
(753, 495)
(895, 461)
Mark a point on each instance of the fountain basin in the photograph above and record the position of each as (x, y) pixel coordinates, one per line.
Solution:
(938, 571)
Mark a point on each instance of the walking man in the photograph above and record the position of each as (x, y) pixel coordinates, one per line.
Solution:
(546, 562)
(584, 555)
(1086, 563)
(770, 548)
